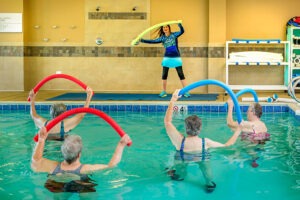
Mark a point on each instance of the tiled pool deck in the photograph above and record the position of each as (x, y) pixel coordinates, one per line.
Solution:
(154, 107)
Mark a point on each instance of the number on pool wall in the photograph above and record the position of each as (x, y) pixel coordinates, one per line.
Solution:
(180, 109)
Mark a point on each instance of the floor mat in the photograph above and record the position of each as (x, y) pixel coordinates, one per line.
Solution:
(129, 97)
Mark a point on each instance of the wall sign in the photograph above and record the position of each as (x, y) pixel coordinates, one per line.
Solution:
(10, 22)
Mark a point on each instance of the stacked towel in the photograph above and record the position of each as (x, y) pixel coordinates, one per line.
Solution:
(255, 56)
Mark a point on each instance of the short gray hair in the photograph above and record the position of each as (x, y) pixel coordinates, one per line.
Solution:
(71, 148)
(193, 125)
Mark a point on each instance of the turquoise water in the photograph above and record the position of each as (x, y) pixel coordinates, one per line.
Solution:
(140, 175)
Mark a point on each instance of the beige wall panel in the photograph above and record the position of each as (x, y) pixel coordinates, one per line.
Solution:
(194, 16)
(256, 75)
(195, 69)
(258, 19)
(111, 74)
(116, 5)
(67, 15)
(11, 74)
(114, 33)
(216, 71)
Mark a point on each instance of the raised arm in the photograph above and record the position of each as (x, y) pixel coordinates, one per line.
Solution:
(38, 162)
(38, 120)
(181, 31)
(116, 158)
(72, 122)
(230, 122)
(155, 41)
(234, 137)
(174, 135)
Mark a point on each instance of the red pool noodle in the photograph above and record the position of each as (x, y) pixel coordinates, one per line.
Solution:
(99, 113)
(48, 78)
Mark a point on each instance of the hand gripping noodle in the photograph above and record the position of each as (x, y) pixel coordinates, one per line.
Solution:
(215, 82)
(65, 76)
(99, 113)
(133, 42)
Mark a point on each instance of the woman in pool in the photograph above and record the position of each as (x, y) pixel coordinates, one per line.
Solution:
(70, 175)
(172, 57)
(254, 131)
(191, 148)
(59, 131)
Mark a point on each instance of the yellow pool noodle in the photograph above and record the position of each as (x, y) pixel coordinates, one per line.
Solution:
(133, 42)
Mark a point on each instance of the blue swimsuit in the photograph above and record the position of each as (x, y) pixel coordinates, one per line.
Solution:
(181, 155)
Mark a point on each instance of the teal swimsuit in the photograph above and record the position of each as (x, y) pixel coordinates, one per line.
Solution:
(62, 130)
(181, 155)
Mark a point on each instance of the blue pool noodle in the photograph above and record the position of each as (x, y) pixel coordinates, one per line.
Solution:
(218, 83)
(247, 90)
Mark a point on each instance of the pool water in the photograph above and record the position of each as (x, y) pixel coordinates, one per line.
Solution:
(141, 173)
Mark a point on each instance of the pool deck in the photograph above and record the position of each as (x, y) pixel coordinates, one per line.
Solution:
(43, 95)
(17, 98)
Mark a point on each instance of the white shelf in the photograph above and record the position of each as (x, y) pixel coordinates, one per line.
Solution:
(295, 47)
(286, 64)
(257, 63)
(258, 87)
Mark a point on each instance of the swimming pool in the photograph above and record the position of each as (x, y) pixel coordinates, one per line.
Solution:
(141, 175)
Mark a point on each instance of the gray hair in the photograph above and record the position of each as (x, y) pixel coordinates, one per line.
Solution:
(71, 148)
(57, 109)
(193, 125)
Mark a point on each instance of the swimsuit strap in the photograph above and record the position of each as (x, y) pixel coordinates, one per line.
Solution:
(62, 130)
(182, 144)
(46, 122)
(181, 149)
(78, 169)
(59, 170)
(203, 149)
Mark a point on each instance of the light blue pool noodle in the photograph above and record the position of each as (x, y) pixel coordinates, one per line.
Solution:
(246, 90)
(218, 83)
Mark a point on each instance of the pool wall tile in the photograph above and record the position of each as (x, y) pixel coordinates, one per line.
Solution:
(277, 108)
(14, 107)
(223, 108)
(121, 108)
(128, 108)
(113, 108)
(161, 108)
(149, 108)
(105, 108)
(214, 108)
(269, 109)
(136, 108)
(98, 107)
(198, 108)
(152, 108)
(21, 107)
(206, 108)
(193, 108)
(144, 108)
